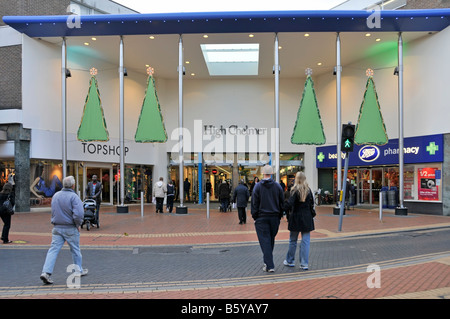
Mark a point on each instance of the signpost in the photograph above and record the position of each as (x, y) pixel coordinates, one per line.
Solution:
(347, 142)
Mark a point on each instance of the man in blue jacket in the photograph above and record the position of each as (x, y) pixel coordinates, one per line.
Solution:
(267, 210)
(240, 197)
(67, 216)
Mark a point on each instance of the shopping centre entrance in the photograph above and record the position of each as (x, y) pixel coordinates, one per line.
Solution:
(208, 173)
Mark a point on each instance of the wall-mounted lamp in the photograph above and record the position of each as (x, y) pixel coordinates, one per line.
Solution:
(396, 71)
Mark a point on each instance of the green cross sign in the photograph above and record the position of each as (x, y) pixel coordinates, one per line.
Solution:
(321, 157)
(432, 148)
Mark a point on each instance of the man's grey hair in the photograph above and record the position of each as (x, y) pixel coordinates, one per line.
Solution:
(68, 182)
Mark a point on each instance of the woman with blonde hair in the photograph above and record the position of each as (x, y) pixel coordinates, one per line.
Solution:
(300, 214)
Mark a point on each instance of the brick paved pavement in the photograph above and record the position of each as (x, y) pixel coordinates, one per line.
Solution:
(426, 277)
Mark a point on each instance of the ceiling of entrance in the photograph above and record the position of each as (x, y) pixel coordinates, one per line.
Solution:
(298, 51)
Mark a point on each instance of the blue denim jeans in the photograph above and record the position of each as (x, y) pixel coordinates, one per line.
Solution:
(59, 236)
(224, 202)
(303, 251)
(267, 229)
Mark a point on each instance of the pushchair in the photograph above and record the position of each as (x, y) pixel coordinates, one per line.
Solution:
(90, 216)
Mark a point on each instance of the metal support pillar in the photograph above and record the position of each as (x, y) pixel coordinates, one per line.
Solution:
(180, 209)
(277, 109)
(121, 208)
(400, 210)
(64, 106)
(338, 113)
(344, 189)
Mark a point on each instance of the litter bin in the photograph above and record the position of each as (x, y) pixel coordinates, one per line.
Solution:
(392, 197)
(384, 199)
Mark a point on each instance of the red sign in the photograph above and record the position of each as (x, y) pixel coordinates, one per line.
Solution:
(427, 188)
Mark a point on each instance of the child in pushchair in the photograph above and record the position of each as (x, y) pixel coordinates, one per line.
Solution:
(90, 213)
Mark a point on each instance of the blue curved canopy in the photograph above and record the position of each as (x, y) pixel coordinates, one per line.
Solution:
(230, 22)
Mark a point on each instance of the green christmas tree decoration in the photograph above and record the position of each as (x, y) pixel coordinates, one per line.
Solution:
(308, 127)
(150, 127)
(370, 128)
(93, 125)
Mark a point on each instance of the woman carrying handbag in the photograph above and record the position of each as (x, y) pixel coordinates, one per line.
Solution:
(6, 194)
(300, 214)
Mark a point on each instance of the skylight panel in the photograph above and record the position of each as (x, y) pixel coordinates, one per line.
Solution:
(231, 59)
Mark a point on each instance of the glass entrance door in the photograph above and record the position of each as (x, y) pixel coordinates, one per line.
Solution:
(377, 182)
(104, 175)
(364, 186)
(370, 181)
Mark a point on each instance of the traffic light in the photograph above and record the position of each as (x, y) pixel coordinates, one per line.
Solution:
(348, 137)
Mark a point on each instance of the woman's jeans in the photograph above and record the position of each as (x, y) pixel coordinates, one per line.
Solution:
(303, 251)
(59, 236)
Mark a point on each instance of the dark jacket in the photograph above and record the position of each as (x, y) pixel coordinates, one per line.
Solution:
(241, 195)
(224, 191)
(299, 213)
(170, 190)
(98, 190)
(267, 199)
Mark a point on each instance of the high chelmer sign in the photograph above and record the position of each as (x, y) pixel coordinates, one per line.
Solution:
(420, 149)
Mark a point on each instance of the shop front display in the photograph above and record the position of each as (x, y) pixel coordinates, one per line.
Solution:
(375, 168)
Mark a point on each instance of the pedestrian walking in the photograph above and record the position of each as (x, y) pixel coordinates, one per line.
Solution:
(6, 193)
(252, 186)
(267, 210)
(94, 191)
(300, 214)
(170, 195)
(208, 187)
(187, 189)
(67, 216)
(159, 192)
(240, 197)
(224, 195)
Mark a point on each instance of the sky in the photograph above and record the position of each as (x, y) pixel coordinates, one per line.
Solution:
(228, 5)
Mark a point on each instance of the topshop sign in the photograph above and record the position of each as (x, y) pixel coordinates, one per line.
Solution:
(421, 149)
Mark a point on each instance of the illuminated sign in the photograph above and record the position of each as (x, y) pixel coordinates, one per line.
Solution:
(419, 149)
(369, 153)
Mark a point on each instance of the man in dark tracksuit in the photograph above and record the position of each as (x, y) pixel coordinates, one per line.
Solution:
(240, 197)
(267, 210)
